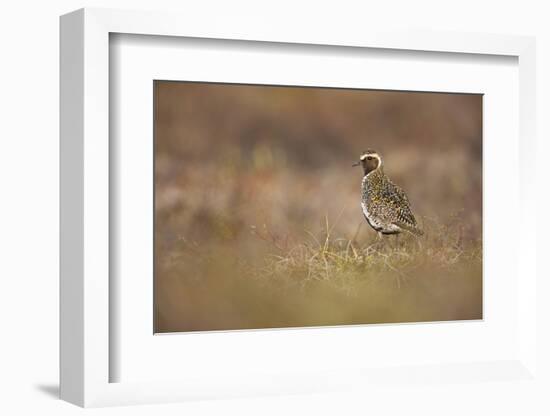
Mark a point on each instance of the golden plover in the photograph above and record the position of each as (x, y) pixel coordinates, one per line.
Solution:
(385, 205)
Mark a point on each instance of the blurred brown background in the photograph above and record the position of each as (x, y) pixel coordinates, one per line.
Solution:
(236, 161)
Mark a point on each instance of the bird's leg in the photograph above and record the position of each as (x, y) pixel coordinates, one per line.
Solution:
(381, 241)
(419, 244)
(397, 240)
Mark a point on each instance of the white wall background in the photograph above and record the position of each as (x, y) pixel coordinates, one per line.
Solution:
(29, 203)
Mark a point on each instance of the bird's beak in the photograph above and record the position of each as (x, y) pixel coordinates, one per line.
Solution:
(356, 164)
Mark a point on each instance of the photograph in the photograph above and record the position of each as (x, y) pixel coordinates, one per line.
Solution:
(292, 206)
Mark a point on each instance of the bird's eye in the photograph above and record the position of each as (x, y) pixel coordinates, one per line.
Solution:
(369, 158)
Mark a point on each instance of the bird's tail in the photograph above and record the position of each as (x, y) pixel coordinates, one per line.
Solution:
(411, 229)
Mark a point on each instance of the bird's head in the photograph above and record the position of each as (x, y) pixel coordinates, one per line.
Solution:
(370, 160)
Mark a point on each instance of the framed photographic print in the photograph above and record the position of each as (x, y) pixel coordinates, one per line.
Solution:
(271, 213)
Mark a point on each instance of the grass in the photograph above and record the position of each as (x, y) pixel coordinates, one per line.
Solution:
(328, 280)
(345, 263)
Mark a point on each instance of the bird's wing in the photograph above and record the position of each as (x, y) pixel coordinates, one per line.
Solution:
(402, 214)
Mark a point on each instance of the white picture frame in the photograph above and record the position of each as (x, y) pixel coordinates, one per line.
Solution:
(86, 303)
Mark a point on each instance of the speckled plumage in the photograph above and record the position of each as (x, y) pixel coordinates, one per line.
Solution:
(385, 205)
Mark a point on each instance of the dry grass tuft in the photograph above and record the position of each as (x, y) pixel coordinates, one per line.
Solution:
(345, 263)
